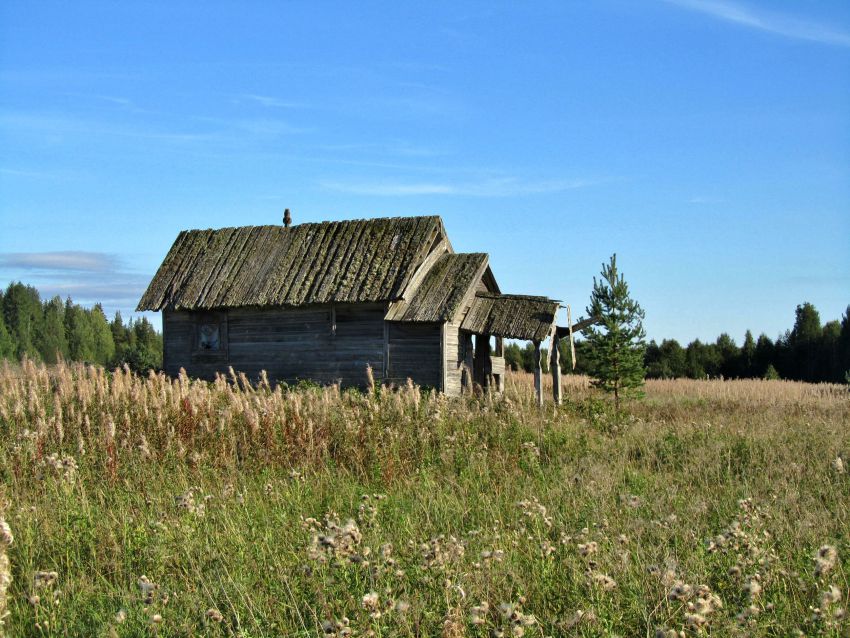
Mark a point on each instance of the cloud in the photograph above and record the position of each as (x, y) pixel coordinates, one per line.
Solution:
(86, 277)
(123, 292)
(779, 24)
(705, 200)
(232, 132)
(501, 187)
(63, 260)
(268, 101)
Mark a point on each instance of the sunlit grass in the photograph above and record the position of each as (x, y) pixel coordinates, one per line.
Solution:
(179, 508)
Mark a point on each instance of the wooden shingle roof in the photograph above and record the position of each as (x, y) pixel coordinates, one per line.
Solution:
(443, 289)
(512, 316)
(347, 261)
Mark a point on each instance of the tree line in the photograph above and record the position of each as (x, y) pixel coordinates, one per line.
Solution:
(810, 351)
(51, 329)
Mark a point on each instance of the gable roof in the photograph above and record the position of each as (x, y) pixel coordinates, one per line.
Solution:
(347, 261)
(512, 316)
(443, 289)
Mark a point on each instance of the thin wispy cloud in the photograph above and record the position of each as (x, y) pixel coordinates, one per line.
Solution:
(86, 276)
(63, 260)
(501, 187)
(705, 200)
(268, 101)
(776, 23)
(216, 130)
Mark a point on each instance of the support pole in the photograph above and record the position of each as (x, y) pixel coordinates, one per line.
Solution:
(555, 367)
(468, 362)
(538, 375)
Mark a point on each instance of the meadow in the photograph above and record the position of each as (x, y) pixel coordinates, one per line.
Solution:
(145, 506)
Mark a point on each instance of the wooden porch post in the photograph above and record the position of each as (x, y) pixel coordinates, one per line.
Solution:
(482, 361)
(555, 367)
(467, 379)
(538, 374)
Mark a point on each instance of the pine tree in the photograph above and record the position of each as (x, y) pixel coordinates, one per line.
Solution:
(804, 340)
(765, 355)
(844, 347)
(23, 314)
(617, 346)
(104, 345)
(748, 356)
(52, 342)
(7, 343)
(78, 328)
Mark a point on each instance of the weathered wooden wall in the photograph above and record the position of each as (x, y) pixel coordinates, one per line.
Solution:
(415, 352)
(454, 352)
(289, 344)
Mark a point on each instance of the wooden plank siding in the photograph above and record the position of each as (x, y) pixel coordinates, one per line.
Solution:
(454, 358)
(322, 343)
(289, 344)
(414, 352)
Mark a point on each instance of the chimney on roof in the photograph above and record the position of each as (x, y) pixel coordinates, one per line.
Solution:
(287, 218)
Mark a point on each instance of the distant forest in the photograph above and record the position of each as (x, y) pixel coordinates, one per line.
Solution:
(50, 329)
(810, 351)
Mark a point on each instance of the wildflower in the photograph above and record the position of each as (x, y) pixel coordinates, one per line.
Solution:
(478, 614)
(371, 604)
(586, 549)
(753, 587)
(186, 502)
(825, 560)
(680, 591)
(830, 596)
(695, 621)
(631, 500)
(120, 617)
(6, 539)
(147, 588)
(604, 582)
(214, 615)
(44, 579)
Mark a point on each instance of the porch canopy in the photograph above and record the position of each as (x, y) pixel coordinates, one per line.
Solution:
(511, 316)
(519, 317)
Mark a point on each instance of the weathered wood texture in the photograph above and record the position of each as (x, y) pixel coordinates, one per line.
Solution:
(415, 353)
(555, 368)
(443, 289)
(512, 316)
(348, 261)
(538, 374)
(289, 344)
(454, 358)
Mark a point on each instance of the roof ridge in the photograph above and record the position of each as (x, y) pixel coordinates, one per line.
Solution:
(320, 223)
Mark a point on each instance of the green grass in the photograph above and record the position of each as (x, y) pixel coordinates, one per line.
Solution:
(451, 474)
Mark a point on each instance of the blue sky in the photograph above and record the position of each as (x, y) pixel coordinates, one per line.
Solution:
(706, 142)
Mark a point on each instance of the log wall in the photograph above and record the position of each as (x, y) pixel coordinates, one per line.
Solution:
(415, 352)
(324, 343)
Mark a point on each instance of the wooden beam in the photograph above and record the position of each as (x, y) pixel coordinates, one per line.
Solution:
(564, 331)
(468, 362)
(386, 370)
(538, 374)
(555, 368)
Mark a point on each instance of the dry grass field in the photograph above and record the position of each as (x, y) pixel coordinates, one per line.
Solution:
(156, 507)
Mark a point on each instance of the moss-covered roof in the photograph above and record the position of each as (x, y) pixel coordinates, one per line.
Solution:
(444, 287)
(346, 262)
(512, 316)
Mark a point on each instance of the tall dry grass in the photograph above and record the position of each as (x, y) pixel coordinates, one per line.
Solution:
(170, 507)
